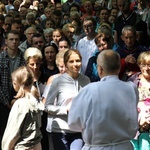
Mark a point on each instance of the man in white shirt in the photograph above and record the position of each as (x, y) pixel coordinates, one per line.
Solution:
(106, 111)
(86, 45)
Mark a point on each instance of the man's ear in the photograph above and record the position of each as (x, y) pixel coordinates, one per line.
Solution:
(138, 35)
(5, 41)
(122, 37)
(99, 70)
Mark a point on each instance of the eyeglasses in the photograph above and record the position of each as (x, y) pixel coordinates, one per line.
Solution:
(145, 65)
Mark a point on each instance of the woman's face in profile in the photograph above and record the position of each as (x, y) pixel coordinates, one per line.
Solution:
(16, 86)
(61, 66)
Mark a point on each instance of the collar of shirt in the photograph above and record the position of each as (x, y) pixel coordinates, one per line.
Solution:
(128, 17)
(109, 77)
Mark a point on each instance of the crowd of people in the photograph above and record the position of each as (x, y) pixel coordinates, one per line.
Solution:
(74, 74)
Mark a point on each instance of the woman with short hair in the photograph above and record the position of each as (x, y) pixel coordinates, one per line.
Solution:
(142, 80)
(104, 40)
(34, 58)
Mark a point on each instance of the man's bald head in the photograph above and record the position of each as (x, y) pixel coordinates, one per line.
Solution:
(109, 61)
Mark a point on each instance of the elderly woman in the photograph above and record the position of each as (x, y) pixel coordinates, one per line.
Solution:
(33, 58)
(62, 90)
(30, 18)
(48, 35)
(142, 80)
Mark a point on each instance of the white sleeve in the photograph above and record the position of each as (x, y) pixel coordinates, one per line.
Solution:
(13, 129)
(51, 98)
(80, 110)
(46, 90)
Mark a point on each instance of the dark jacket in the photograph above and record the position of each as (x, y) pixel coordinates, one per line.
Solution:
(124, 52)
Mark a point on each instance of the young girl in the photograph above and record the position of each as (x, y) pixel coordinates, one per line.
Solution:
(58, 101)
(64, 43)
(57, 35)
(24, 122)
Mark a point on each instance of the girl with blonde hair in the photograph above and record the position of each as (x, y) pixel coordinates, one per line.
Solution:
(24, 120)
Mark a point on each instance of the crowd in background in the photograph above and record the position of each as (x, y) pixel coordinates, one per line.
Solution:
(46, 35)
